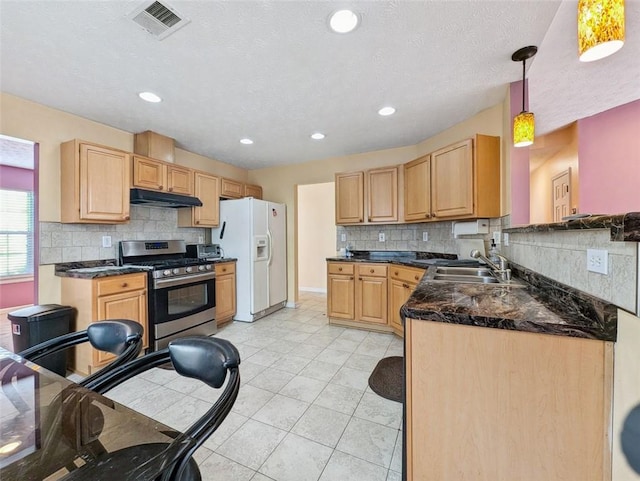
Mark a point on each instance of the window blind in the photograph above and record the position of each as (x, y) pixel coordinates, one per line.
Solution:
(16, 233)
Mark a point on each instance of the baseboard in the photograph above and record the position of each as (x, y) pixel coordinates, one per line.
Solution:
(291, 305)
(313, 289)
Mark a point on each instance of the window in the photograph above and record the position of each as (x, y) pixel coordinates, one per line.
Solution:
(16, 233)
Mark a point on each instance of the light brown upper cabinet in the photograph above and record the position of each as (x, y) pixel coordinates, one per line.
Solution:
(154, 174)
(382, 195)
(417, 189)
(254, 191)
(207, 189)
(377, 189)
(350, 198)
(154, 145)
(94, 184)
(465, 179)
(231, 189)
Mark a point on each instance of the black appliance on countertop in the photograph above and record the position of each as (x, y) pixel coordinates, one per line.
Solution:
(181, 290)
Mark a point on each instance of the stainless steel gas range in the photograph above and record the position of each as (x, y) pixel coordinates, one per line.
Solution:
(182, 290)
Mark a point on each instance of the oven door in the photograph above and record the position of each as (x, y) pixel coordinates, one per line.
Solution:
(182, 306)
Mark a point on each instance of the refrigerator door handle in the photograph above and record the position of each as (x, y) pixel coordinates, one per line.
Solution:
(270, 247)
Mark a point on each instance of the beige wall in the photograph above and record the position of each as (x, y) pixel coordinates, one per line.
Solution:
(49, 127)
(316, 234)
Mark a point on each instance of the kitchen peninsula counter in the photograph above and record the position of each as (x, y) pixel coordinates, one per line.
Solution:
(542, 306)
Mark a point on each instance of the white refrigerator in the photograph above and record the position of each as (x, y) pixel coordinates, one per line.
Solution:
(254, 232)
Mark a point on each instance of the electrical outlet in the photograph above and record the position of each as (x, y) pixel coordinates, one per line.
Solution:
(106, 241)
(425, 236)
(381, 237)
(200, 239)
(343, 237)
(597, 261)
(496, 237)
(505, 238)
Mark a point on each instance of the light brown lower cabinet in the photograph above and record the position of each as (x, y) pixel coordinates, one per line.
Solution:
(402, 281)
(357, 295)
(114, 297)
(225, 292)
(489, 404)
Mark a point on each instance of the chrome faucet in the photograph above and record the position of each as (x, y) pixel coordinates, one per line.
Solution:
(501, 270)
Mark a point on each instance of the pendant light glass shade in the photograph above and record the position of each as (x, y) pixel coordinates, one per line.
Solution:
(600, 28)
(523, 129)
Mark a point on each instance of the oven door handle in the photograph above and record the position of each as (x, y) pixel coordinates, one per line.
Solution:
(179, 281)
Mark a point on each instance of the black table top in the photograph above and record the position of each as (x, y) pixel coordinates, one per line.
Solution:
(50, 426)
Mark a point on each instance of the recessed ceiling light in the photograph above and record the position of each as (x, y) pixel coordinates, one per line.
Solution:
(149, 97)
(246, 141)
(343, 21)
(384, 111)
(317, 136)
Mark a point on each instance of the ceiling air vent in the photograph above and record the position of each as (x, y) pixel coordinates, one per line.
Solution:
(159, 19)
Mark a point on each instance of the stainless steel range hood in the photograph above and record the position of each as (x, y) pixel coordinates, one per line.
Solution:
(151, 198)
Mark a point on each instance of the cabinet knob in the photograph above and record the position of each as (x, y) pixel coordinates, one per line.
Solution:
(427, 216)
(126, 217)
(340, 269)
(417, 278)
(160, 187)
(125, 284)
(406, 286)
(435, 215)
(350, 278)
(395, 273)
(224, 269)
(197, 222)
(372, 271)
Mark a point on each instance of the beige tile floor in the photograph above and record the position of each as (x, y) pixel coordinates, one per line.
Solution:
(304, 412)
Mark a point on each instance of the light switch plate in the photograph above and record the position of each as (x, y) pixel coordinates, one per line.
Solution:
(343, 237)
(200, 239)
(106, 241)
(505, 238)
(496, 237)
(425, 237)
(381, 237)
(597, 261)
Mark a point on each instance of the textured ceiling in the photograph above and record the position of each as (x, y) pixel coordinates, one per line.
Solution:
(272, 70)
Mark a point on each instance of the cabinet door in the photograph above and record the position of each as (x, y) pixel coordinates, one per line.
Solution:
(399, 292)
(254, 191)
(350, 198)
(341, 297)
(382, 195)
(371, 300)
(104, 184)
(452, 180)
(148, 173)
(207, 190)
(130, 305)
(179, 180)
(417, 189)
(231, 189)
(225, 292)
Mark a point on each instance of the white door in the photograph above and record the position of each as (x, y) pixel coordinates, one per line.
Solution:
(277, 215)
(561, 188)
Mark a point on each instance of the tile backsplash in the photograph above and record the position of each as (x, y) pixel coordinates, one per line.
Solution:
(408, 237)
(83, 242)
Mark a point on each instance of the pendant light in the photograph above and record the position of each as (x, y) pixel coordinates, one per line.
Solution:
(524, 122)
(600, 28)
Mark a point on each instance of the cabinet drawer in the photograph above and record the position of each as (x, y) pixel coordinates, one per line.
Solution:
(116, 284)
(225, 268)
(341, 268)
(372, 270)
(406, 274)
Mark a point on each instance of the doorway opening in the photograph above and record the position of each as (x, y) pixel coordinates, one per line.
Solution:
(18, 229)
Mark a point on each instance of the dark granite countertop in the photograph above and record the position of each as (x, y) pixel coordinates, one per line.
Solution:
(106, 268)
(624, 227)
(543, 306)
(421, 260)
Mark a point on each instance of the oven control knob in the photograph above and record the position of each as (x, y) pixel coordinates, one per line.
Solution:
(202, 268)
(166, 272)
(189, 269)
(176, 271)
(208, 266)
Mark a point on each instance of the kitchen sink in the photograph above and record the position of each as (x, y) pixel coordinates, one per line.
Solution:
(465, 271)
(466, 278)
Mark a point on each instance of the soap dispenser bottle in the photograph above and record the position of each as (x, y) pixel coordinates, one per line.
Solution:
(493, 253)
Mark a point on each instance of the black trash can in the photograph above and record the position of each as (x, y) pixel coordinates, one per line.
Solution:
(32, 325)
